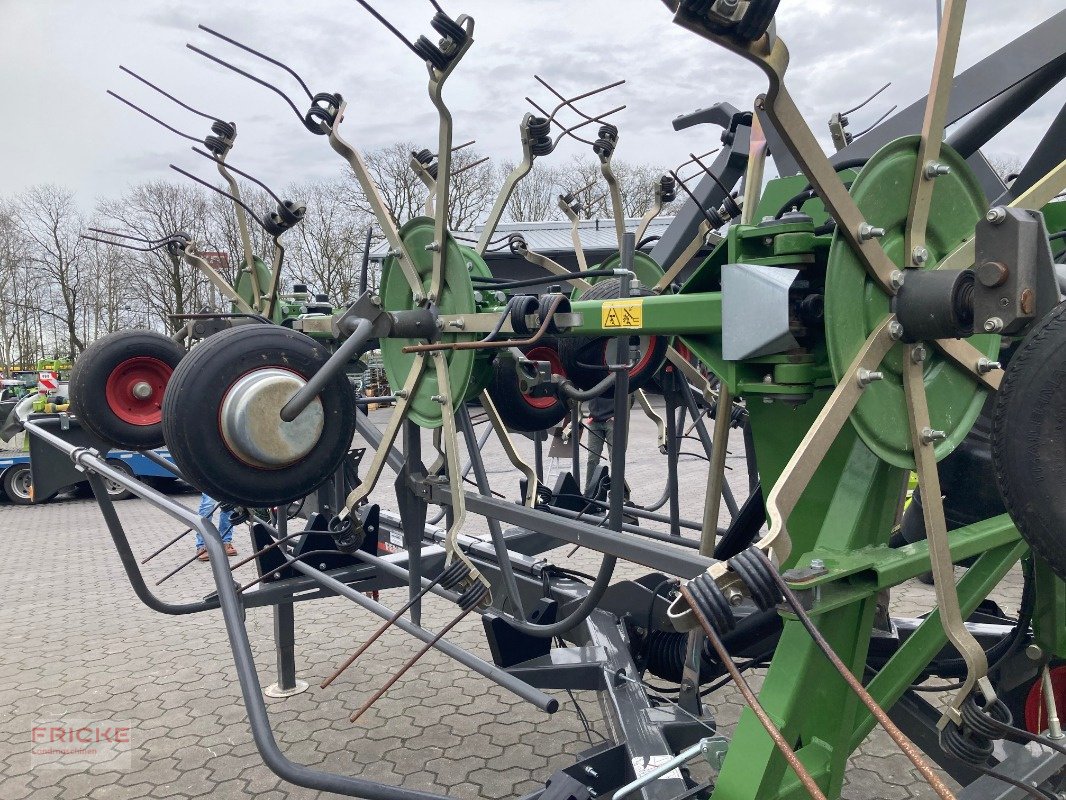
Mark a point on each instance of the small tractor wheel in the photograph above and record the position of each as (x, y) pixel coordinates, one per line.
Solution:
(1027, 445)
(518, 410)
(222, 417)
(117, 491)
(118, 384)
(18, 485)
(585, 358)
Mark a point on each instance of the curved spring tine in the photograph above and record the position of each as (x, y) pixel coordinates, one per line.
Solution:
(263, 56)
(152, 117)
(243, 174)
(169, 96)
(250, 77)
(237, 200)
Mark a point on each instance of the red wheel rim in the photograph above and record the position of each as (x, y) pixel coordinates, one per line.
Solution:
(1035, 710)
(641, 364)
(125, 385)
(544, 354)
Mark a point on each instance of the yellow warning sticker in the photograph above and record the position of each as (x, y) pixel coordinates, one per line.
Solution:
(623, 313)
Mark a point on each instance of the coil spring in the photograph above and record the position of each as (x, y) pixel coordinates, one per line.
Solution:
(448, 28)
(516, 243)
(521, 307)
(287, 215)
(730, 206)
(668, 188)
(712, 602)
(322, 114)
(752, 570)
(454, 574)
(427, 160)
(608, 139)
(431, 53)
(540, 140)
(665, 651)
(972, 741)
(473, 596)
(347, 534)
(222, 139)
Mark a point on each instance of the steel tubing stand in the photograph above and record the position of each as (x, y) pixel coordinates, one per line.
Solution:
(287, 683)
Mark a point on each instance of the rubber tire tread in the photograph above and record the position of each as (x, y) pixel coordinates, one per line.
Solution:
(1028, 447)
(194, 398)
(516, 413)
(89, 377)
(570, 348)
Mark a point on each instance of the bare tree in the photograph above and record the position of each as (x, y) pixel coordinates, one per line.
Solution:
(536, 196)
(49, 219)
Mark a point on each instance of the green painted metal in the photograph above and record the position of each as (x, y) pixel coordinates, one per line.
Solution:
(481, 373)
(854, 305)
(663, 314)
(1049, 613)
(243, 286)
(457, 297)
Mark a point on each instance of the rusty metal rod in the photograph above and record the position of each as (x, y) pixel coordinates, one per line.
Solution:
(410, 663)
(753, 702)
(178, 569)
(275, 544)
(381, 630)
(899, 737)
(487, 345)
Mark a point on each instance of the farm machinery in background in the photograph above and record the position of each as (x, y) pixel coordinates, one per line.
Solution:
(889, 310)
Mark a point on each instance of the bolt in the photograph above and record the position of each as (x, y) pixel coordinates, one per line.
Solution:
(1034, 652)
(996, 215)
(929, 436)
(866, 377)
(395, 253)
(817, 563)
(896, 279)
(142, 390)
(918, 353)
(438, 398)
(457, 323)
(591, 772)
(993, 325)
(868, 231)
(985, 366)
(992, 274)
(895, 330)
(433, 247)
(768, 400)
(919, 255)
(934, 169)
(418, 297)
(734, 596)
(375, 300)
(767, 219)
(767, 378)
(402, 394)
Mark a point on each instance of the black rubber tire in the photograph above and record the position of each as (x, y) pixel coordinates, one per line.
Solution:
(757, 20)
(1028, 451)
(114, 491)
(194, 398)
(16, 480)
(93, 370)
(582, 355)
(516, 409)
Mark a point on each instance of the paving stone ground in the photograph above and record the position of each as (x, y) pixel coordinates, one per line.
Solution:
(76, 643)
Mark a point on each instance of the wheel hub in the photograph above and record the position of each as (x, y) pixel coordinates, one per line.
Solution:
(134, 390)
(251, 424)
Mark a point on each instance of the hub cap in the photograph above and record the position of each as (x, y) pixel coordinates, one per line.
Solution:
(251, 424)
(134, 390)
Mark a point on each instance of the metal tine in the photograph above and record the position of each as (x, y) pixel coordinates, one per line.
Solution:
(867, 100)
(586, 187)
(459, 147)
(178, 569)
(236, 200)
(380, 631)
(177, 538)
(461, 170)
(390, 27)
(436, 5)
(130, 236)
(410, 663)
(880, 119)
(569, 131)
(243, 174)
(152, 117)
(263, 56)
(699, 205)
(274, 544)
(250, 77)
(710, 172)
(169, 96)
(570, 102)
(126, 246)
(690, 161)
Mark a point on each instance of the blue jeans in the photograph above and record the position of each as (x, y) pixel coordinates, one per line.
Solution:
(225, 527)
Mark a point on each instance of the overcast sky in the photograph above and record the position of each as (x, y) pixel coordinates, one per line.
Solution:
(57, 57)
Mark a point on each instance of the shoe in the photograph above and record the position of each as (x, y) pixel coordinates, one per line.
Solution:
(202, 554)
(231, 551)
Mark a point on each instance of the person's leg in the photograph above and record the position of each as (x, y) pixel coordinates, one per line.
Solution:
(206, 506)
(225, 527)
(595, 447)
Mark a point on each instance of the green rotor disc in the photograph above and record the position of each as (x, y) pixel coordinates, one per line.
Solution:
(855, 305)
(457, 297)
(647, 270)
(482, 372)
